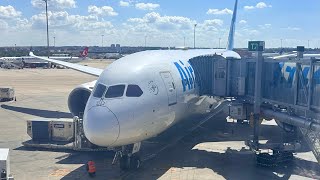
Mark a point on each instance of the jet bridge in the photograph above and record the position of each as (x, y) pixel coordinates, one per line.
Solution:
(285, 89)
(219, 76)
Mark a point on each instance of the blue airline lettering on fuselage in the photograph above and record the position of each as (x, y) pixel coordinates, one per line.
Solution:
(186, 75)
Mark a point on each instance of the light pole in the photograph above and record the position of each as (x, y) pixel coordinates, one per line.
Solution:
(46, 1)
(184, 41)
(194, 36)
(219, 43)
(54, 41)
(308, 44)
(281, 43)
(102, 40)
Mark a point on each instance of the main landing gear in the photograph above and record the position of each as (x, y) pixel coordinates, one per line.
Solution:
(128, 157)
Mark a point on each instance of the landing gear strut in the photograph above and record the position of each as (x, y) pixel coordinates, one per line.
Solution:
(128, 157)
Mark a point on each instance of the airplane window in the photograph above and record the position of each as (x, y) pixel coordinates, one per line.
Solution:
(115, 91)
(100, 89)
(134, 91)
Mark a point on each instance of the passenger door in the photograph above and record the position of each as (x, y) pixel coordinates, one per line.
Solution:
(170, 86)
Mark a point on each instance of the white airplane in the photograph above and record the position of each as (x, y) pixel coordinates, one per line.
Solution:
(83, 55)
(140, 96)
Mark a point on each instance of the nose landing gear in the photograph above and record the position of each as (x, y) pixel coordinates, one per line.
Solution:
(128, 157)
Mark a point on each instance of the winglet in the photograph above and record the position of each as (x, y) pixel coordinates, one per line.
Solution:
(232, 27)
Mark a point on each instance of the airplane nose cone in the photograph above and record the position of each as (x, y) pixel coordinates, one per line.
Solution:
(101, 126)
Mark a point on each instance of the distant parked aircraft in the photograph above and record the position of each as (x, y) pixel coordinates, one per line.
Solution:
(83, 55)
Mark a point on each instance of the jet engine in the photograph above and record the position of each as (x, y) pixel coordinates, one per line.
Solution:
(78, 98)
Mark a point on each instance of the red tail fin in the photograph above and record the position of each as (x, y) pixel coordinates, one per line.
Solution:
(84, 53)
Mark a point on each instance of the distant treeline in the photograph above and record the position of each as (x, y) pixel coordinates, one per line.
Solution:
(13, 53)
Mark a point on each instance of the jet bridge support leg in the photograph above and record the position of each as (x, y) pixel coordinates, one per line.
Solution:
(257, 98)
(280, 151)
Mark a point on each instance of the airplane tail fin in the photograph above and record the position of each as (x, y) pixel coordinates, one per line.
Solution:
(84, 53)
(232, 27)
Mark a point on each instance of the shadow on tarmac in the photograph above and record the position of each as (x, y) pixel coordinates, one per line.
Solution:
(38, 112)
(232, 164)
(180, 160)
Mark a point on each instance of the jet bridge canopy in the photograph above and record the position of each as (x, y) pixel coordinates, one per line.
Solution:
(214, 77)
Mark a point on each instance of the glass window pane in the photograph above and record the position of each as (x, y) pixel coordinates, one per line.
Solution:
(98, 92)
(134, 91)
(115, 91)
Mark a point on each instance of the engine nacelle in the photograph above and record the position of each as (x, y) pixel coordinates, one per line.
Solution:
(78, 98)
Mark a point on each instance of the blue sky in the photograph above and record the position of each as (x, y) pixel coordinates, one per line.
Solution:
(163, 23)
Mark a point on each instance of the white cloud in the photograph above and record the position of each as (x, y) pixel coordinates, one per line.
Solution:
(159, 22)
(260, 5)
(213, 22)
(11, 19)
(292, 28)
(137, 20)
(9, 12)
(249, 7)
(172, 28)
(124, 4)
(242, 22)
(210, 26)
(63, 21)
(219, 12)
(55, 4)
(251, 32)
(22, 24)
(102, 11)
(88, 26)
(265, 26)
(3, 25)
(147, 6)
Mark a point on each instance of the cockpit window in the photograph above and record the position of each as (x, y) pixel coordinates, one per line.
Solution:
(100, 89)
(115, 91)
(133, 91)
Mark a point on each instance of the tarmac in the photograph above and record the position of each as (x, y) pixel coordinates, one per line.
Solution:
(214, 150)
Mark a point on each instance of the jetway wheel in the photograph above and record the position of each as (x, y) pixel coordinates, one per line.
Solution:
(124, 163)
(130, 163)
(135, 162)
(268, 160)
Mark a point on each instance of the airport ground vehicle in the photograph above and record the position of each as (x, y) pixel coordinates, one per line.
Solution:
(6, 94)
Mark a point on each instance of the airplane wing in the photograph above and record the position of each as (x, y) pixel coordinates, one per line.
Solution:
(295, 55)
(312, 55)
(284, 56)
(77, 67)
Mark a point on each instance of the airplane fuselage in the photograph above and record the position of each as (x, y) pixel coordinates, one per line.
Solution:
(169, 94)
